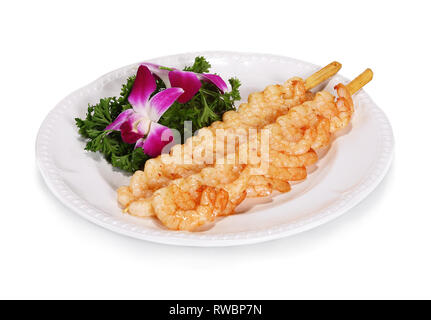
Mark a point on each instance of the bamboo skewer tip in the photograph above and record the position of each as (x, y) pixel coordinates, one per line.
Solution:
(322, 75)
(336, 64)
(356, 84)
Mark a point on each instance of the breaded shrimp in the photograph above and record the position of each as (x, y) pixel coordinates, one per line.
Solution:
(261, 109)
(187, 203)
(344, 107)
(220, 174)
(178, 209)
(261, 186)
(281, 159)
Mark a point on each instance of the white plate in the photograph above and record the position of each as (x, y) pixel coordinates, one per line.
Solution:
(345, 174)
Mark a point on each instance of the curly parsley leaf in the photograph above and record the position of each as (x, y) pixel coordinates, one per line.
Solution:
(201, 65)
(130, 162)
(206, 106)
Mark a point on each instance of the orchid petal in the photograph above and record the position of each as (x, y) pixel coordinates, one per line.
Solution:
(215, 80)
(129, 133)
(144, 86)
(162, 101)
(140, 143)
(186, 80)
(158, 137)
(162, 73)
(152, 66)
(123, 116)
(143, 126)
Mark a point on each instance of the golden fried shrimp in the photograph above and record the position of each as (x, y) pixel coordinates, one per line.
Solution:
(124, 196)
(220, 174)
(285, 166)
(311, 124)
(237, 192)
(179, 209)
(295, 132)
(323, 134)
(280, 185)
(286, 174)
(187, 203)
(344, 107)
(261, 109)
(140, 208)
(326, 116)
(275, 179)
(261, 186)
(282, 169)
(281, 159)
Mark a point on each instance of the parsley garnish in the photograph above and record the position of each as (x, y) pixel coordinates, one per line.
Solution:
(206, 106)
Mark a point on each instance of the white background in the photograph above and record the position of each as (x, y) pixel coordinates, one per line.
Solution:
(380, 249)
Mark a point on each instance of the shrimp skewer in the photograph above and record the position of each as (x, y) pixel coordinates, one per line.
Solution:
(339, 116)
(261, 109)
(190, 202)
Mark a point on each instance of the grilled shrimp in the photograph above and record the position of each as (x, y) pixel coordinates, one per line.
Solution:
(282, 169)
(187, 203)
(261, 186)
(261, 109)
(281, 159)
(311, 124)
(220, 174)
(124, 196)
(179, 209)
(344, 107)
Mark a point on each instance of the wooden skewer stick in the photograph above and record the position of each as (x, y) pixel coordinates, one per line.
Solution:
(360, 81)
(322, 75)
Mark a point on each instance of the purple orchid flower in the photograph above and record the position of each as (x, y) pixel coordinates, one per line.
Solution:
(139, 125)
(189, 81)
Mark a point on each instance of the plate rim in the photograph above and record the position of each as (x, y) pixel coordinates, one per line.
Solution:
(83, 208)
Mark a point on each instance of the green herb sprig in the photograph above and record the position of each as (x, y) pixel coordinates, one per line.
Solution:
(207, 106)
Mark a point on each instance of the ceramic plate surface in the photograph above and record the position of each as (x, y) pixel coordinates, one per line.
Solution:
(346, 173)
